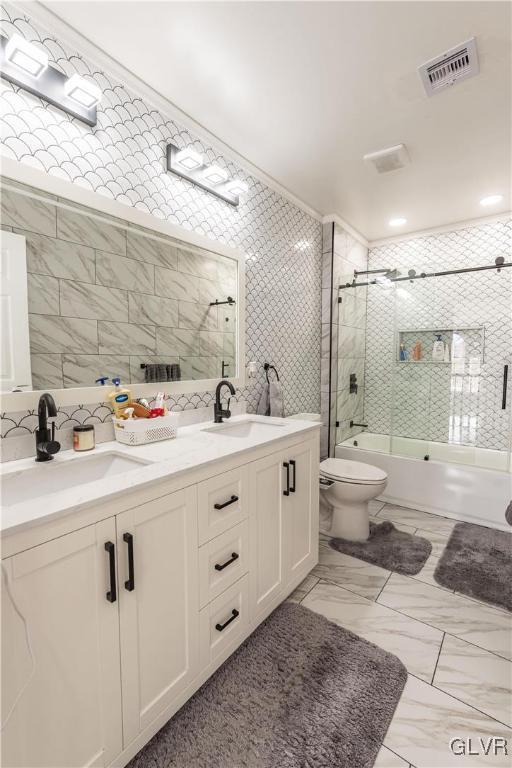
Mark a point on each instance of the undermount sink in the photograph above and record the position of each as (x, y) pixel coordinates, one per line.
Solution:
(43, 479)
(248, 428)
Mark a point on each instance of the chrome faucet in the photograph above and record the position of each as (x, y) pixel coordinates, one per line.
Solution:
(46, 444)
(218, 412)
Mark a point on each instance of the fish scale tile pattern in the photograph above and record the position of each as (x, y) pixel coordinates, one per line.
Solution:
(436, 401)
(123, 158)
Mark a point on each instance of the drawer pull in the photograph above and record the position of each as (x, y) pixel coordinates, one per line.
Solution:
(234, 614)
(294, 467)
(226, 503)
(234, 556)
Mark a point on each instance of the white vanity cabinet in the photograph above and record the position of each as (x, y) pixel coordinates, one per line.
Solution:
(69, 713)
(128, 617)
(158, 605)
(283, 489)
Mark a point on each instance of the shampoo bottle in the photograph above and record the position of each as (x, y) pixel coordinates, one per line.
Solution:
(438, 349)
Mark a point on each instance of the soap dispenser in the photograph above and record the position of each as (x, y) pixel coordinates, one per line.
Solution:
(438, 349)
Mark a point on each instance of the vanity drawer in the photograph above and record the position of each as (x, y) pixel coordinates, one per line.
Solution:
(224, 620)
(222, 561)
(221, 503)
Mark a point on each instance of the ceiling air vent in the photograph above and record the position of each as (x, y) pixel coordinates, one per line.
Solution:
(456, 64)
(388, 159)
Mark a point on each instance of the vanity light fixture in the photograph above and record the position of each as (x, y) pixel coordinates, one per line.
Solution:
(398, 222)
(189, 159)
(26, 66)
(26, 56)
(82, 91)
(491, 200)
(215, 175)
(237, 187)
(189, 165)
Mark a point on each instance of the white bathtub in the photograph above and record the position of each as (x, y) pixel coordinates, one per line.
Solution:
(458, 481)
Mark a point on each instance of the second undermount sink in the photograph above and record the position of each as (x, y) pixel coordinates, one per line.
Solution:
(51, 477)
(248, 428)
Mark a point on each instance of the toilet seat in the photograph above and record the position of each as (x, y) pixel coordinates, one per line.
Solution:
(345, 471)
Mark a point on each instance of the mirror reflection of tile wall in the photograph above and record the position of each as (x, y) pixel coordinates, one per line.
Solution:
(104, 299)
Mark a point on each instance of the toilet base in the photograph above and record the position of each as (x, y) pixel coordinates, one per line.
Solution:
(351, 521)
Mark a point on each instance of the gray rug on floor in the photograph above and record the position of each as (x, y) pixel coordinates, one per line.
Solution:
(299, 692)
(389, 548)
(477, 562)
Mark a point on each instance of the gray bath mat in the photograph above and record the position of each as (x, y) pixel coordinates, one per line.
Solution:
(300, 691)
(389, 548)
(477, 562)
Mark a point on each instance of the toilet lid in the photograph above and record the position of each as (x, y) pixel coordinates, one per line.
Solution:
(353, 471)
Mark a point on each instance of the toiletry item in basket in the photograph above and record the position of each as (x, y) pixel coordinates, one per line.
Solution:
(119, 398)
(416, 351)
(438, 349)
(128, 413)
(139, 410)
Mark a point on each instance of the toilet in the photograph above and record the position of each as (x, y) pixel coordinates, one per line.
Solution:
(346, 487)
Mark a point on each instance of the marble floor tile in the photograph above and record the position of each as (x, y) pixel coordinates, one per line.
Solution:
(304, 587)
(476, 677)
(415, 644)
(437, 539)
(418, 519)
(425, 722)
(388, 759)
(374, 506)
(475, 622)
(427, 573)
(355, 575)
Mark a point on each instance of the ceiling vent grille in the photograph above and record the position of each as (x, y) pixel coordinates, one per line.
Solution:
(447, 69)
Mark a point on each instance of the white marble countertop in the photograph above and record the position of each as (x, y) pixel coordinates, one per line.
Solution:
(193, 448)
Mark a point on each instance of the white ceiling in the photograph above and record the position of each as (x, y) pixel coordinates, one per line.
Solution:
(304, 90)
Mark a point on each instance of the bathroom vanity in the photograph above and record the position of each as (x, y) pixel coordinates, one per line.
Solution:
(139, 574)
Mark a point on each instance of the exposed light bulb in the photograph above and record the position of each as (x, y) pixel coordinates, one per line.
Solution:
(215, 175)
(189, 159)
(82, 91)
(26, 56)
(237, 187)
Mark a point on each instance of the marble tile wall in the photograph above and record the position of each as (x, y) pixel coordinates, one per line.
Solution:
(99, 297)
(281, 241)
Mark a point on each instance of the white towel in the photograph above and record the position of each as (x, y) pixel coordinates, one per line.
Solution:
(276, 399)
(263, 408)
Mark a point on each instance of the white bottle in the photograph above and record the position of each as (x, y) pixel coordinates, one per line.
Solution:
(438, 349)
(447, 353)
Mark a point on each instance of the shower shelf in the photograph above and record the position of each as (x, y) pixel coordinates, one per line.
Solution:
(473, 338)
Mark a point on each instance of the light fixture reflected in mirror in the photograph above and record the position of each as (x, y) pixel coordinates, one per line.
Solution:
(214, 174)
(237, 187)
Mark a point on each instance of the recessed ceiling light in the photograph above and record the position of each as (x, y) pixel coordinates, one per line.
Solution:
(82, 91)
(214, 174)
(237, 187)
(398, 222)
(188, 158)
(26, 56)
(491, 200)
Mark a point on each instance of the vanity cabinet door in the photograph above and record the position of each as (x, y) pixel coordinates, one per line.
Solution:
(61, 674)
(159, 605)
(301, 510)
(267, 483)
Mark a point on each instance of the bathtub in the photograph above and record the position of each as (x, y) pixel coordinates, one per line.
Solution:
(459, 481)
